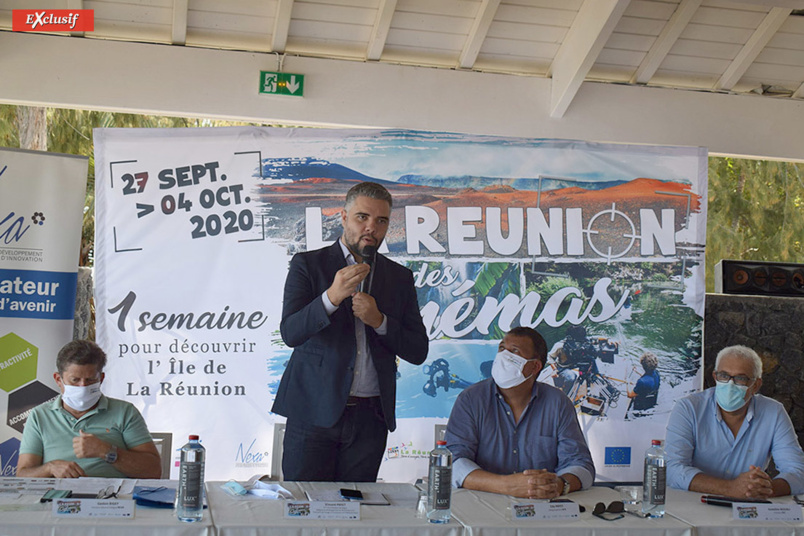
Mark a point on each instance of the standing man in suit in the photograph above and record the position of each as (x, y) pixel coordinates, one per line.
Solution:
(339, 389)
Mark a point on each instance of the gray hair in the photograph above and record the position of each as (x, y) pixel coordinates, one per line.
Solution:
(372, 190)
(743, 352)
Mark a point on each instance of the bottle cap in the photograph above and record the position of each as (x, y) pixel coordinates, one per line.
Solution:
(441, 442)
(193, 438)
(656, 442)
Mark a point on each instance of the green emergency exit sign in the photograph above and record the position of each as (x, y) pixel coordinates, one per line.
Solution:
(273, 83)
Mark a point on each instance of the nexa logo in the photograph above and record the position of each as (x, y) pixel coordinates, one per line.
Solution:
(251, 456)
(9, 453)
(11, 228)
(53, 20)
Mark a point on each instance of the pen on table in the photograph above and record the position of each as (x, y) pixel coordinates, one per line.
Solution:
(716, 501)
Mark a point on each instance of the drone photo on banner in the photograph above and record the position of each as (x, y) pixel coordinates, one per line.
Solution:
(599, 247)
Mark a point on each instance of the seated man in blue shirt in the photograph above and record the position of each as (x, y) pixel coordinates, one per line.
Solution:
(82, 432)
(513, 435)
(721, 440)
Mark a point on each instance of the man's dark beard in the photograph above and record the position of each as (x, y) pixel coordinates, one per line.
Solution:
(357, 251)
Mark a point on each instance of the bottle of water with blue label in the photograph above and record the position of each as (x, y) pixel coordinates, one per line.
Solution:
(190, 496)
(439, 484)
(654, 484)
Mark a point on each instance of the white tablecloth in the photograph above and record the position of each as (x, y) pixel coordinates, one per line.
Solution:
(711, 520)
(147, 521)
(487, 514)
(474, 514)
(240, 516)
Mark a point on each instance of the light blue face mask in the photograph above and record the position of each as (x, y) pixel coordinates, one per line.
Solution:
(730, 396)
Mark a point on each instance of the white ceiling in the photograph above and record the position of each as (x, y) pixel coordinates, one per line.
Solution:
(709, 45)
(722, 74)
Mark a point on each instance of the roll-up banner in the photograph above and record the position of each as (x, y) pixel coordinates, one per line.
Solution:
(41, 211)
(600, 247)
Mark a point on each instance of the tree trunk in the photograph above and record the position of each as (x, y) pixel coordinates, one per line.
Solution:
(32, 127)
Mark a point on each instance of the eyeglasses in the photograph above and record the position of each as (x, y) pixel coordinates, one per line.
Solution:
(740, 379)
(615, 507)
(108, 493)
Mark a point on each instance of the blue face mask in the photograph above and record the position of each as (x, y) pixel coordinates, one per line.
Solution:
(730, 396)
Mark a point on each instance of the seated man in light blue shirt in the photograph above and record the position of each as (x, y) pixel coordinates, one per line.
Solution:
(721, 440)
(512, 435)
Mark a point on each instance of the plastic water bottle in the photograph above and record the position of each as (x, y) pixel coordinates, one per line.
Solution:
(440, 484)
(654, 484)
(190, 497)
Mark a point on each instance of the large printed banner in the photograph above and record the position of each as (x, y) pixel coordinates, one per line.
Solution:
(599, 247)
(41, 208)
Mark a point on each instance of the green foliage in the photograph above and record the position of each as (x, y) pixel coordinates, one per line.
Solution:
(755, 212)
(497, 279)
(550, 285)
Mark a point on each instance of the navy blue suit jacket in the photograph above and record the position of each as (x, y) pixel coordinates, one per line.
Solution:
(316, 383)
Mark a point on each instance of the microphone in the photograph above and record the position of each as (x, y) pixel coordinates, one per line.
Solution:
(368, 258)
(719, 500)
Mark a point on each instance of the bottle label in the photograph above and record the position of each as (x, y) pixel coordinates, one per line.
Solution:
(440, 487)
(655, 483)
(190, 484)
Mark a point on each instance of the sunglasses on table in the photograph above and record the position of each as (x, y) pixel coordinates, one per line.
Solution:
(616, 507)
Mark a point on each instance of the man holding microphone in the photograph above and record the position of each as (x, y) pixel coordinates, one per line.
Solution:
(348, 312)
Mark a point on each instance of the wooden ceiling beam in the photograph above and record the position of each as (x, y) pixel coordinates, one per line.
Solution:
(279, 37)
(74, 5)
(178, 32)
(379, 33)
(799, 94)
(665, 41)
(480, 28)
(764, 33)
(585, 39)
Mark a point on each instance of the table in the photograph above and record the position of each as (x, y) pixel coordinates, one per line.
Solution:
(486, 514)
(711, 520)
(240, 516)
(474, 513)
(38, 519)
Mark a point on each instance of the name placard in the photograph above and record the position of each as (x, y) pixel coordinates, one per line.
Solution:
(766, 512)
(545, 510)
(322, 510)
(93, 508)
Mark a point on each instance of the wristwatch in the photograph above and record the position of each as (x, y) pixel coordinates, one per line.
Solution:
(566, 488)
(111, 456)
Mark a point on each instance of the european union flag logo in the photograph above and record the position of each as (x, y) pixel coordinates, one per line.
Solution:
(617, 456)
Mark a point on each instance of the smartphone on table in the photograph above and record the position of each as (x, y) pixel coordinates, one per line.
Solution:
(351, 494)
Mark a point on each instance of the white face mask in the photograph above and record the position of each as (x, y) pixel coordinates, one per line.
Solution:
(81, 397)
(507, 369)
